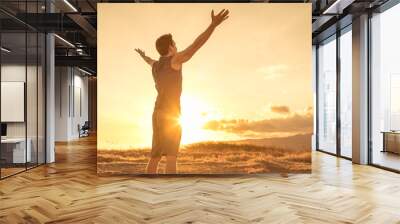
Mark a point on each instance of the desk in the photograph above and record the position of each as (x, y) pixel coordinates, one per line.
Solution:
(13, 150)
(391, 141)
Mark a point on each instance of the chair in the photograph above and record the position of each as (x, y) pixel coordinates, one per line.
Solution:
(84, 130)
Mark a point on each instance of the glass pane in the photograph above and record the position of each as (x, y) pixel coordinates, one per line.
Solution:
(22, 89)
(346, 94)
(386, 89)
(32, 98)
(13, 89)
(327, 96)
(41, 98)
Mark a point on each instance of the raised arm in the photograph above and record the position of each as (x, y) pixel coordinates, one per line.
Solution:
(185, 55)
(147, 59)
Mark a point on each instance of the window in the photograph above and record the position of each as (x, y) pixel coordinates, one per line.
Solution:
(385, 89)
(327, 95)
(346, 92)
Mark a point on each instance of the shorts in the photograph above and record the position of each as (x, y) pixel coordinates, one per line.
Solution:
(166, 133)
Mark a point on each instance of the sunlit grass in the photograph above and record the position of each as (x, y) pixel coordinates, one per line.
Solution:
(212, 157)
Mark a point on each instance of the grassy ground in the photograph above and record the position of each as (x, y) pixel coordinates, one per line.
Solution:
(211, 158)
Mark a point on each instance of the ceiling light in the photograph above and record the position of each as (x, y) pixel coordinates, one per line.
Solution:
(5, 50)
(70, 5)
(337, 7)
(84, 71)
(79, 51)
(64, 40)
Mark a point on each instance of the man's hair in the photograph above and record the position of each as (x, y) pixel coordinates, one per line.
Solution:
(163, 43)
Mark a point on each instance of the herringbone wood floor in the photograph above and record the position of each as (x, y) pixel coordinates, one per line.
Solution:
(70, 191)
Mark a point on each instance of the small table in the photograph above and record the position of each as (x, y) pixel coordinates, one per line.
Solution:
(391, 141)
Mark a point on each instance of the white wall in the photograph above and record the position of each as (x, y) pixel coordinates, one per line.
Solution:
(81, 113)
(71, 102)
(12, 73)
(62, 81)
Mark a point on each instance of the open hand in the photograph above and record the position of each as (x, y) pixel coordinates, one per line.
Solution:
(219, 18)
(141, 52)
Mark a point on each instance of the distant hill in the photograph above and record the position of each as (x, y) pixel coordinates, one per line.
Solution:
(302, 141)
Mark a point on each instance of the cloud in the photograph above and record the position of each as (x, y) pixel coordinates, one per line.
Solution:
(273, 71)
(300, 122)
(280, 109)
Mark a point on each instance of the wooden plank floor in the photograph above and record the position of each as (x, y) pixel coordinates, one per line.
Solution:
(70, 191)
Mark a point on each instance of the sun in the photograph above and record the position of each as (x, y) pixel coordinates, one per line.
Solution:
(195, 114)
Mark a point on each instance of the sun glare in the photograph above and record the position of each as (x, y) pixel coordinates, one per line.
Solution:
(195, 114)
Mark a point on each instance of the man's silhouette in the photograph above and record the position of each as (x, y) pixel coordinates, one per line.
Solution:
(167, 74)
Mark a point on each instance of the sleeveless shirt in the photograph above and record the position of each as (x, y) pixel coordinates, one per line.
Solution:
(168, 82)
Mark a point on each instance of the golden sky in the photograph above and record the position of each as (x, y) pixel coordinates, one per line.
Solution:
(252, 79)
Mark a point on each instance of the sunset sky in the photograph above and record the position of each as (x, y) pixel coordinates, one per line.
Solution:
(252, 79)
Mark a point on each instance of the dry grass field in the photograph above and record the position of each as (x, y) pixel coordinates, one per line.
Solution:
(211, 158)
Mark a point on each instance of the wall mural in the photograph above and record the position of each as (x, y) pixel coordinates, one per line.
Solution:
(204, 88)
